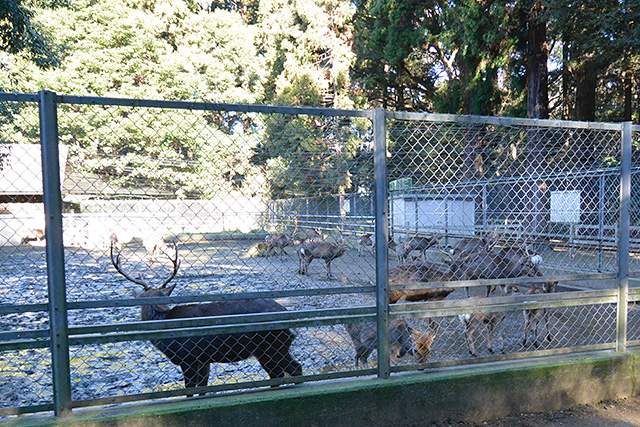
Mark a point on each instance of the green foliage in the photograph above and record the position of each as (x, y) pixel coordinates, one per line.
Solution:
(21, 34)
(156, 49)
(463, 56)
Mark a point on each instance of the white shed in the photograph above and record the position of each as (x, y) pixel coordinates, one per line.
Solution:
(433, 213)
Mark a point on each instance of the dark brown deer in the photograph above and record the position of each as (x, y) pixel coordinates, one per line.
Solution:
(276, 242)
(365, 338)
(416, 243)
(421, 272)
(308, 251)
(508, 262)
(195, 354)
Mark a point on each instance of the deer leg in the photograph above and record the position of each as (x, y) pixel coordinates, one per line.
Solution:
(468, 334)
(362, 354)
(527, 324)
(490, 327)
(328, 262)
(534, 324)
(545, 320)
(305, 266)
(195, 375)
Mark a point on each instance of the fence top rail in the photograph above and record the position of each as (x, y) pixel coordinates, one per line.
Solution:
(314, 111)
(503, 121)
(210, 106)
(18, 97)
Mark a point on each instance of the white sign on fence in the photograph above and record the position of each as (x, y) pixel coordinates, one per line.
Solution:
(565, 206)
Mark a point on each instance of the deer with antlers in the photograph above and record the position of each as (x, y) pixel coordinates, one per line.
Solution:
(195, 354)
(510, 261)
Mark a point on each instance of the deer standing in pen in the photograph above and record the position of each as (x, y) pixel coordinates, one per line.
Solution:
(276, 242)
(472, 321)
(416, 243)
(532, 318)
(194, 354)
(308, 251)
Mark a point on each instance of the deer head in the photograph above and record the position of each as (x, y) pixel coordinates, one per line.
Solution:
(154, 311)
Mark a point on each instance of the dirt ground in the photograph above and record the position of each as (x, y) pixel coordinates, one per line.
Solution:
(618, 413)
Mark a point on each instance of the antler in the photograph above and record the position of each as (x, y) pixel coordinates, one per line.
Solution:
(448, 254)
(176, 265)
(116, 264)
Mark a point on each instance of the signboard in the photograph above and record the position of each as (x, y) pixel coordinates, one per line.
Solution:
(565, 206)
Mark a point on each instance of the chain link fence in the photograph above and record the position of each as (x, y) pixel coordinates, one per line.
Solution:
(248, 235)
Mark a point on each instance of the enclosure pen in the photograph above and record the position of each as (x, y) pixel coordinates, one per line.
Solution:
(446, 240)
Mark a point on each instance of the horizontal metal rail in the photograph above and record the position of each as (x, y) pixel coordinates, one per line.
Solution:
(503, 121)
(200, 331)
(502, 304)
(508, 281)
(18, 97)
(236, 319)
(250, 386)
(210, 106)
(522, 356)
(81, 305)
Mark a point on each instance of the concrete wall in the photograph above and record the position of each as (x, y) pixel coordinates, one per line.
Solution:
(477, 394)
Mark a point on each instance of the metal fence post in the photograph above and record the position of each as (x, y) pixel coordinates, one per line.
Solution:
(52, 199)
(382, 240)
(623, 241)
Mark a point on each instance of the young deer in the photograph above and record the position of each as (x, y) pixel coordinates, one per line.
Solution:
(276, 242)
(533, 317)
(365, 244)
(472, 321)
(308, 251)
(195, 354)
(423, 341)
(364, 337)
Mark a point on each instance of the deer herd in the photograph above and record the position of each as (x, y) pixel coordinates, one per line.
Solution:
(488, 257)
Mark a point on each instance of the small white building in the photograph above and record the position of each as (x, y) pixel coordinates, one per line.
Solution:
(417, 213)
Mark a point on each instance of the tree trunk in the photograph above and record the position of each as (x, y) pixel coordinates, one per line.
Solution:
(628, 99)
(537, 73)
(566, 76)
(586, 75)
(533, 219)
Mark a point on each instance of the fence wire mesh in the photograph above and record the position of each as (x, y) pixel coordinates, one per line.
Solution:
(264, 218)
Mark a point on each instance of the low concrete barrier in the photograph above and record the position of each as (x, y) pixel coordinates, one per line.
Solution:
(475, 394)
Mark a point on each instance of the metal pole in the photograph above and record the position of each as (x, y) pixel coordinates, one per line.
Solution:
(381, 239)
(623, 241)
(52, 199)
(601, 207)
